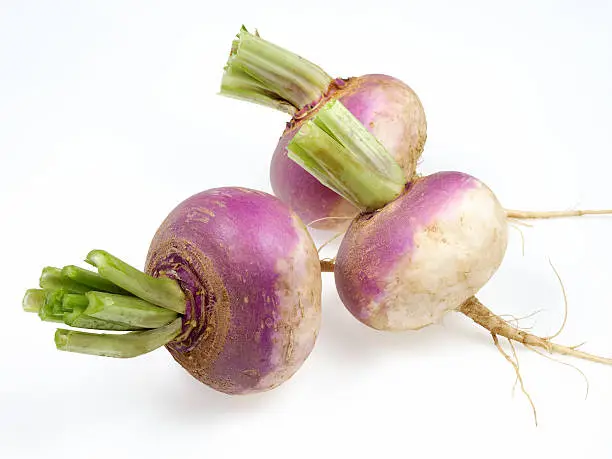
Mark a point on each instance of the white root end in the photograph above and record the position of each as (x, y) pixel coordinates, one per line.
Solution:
(498, 326)
(525, 214)
(483, 316)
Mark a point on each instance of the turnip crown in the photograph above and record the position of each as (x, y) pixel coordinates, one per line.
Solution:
(251, 273)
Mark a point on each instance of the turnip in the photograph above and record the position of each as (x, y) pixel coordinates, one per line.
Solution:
(232, 288)
(261, 72)
(418, 249)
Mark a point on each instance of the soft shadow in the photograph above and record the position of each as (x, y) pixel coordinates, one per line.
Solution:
(344, 345)
(189, 400)
(348, 340)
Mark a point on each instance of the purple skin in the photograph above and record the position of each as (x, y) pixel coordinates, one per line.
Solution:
(251, 275)
(388, 108)
(405, 265)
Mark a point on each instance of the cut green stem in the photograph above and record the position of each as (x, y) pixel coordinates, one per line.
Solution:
(261, 72)
(55, 301)
(33, 300)
(118, 298)
(160, 291)
(53, 279)
(49, 311)
(117, 345)
(78, 319)
(127, 310)
(340, 152)
(72, 301)
(59, 306)
(91, 279)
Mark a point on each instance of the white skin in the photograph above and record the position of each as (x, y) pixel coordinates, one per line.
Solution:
(423, 254)
(451, 260)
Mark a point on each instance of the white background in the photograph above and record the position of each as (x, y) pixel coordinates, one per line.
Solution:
(109, 116)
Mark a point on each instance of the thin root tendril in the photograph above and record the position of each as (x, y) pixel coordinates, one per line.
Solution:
(566, 306)
(550, 357)
(555, 213)
(517, 370)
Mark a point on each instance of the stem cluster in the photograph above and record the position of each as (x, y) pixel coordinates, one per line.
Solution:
(118, 298)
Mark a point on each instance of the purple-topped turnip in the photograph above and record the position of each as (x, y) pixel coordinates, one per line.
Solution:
(261, 72)
(418, 249)
(232, 288)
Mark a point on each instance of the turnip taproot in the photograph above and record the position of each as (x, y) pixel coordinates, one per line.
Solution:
(232, 289)
(418, 249)
(261, 72)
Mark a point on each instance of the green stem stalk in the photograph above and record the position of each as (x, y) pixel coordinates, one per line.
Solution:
(118, 298)
(127, 310)
(49, 311)
(53, 279)
(33, 300)
(117, 345)
(340, 152)
(161, 291)
(55, 300)
(93, 280)
(69, 308)
(72, 301)
(78, 319)
(261, 72)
